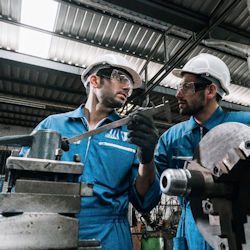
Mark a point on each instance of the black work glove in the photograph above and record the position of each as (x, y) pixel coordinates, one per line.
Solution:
(64, 144)
(144, 134)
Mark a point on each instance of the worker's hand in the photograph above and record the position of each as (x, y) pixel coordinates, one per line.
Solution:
(144, 134)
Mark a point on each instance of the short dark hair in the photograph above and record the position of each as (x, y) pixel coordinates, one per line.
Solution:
(208, 82)
(218, 98)
(203, 80)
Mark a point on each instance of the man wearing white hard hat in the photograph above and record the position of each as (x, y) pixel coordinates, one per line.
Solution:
(205, 80)
(118, 162)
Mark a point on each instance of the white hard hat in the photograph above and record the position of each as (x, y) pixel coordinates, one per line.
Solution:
(209, 67)
(114, 61)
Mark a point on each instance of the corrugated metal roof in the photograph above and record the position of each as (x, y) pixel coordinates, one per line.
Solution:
(106, 31)
(82, 33)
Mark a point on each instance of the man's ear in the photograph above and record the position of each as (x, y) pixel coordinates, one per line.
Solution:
(212, 90)
(94, 81)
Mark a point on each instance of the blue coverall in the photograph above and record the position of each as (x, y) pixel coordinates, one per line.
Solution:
(111, 164)
(175, 146)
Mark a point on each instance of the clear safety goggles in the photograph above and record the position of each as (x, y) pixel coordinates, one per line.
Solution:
(189, 88)
(117, 75)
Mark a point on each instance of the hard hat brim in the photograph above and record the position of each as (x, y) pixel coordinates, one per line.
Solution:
(177, 72)
(135, 76)
(209, 65)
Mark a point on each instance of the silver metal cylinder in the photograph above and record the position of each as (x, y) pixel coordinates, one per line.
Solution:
(184, 182)
(45, 144)
(175, 182)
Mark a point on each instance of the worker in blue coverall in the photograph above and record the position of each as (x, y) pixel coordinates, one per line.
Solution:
(119, 162)
(205, 80)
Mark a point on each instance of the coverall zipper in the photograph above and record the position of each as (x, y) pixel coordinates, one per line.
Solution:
(85, 122)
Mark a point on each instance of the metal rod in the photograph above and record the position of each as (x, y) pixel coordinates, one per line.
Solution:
(187, 49)
(165, 46)
(152, 53)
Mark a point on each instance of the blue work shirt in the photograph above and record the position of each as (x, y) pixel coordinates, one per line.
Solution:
(176, 146)
(111, 164)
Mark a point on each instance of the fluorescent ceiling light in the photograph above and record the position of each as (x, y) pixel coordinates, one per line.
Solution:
(41, 14)
(34, 43)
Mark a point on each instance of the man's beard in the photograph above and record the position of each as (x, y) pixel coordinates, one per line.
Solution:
(111, 102)
(194, 107)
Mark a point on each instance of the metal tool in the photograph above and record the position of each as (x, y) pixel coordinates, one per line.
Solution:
(217, 183)
(52, 141)
(150, 111)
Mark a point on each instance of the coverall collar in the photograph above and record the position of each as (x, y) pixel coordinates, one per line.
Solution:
(79, 113)
(215, 119)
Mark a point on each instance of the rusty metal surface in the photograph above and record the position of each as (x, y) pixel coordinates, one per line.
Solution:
(32, 231)
(47, 187)
(44, 203)
(44, 165)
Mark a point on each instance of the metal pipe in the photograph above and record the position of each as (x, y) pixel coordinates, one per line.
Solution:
(184, 182)
(183, 51)
(243, 49)
(238, 47)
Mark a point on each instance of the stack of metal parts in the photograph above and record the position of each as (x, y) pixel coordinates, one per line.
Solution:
(217, 184)
(37, 211)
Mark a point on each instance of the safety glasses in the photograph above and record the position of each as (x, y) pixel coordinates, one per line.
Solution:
(189, 88)
(118, 76)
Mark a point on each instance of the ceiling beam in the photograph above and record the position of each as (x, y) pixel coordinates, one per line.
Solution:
(17, 122)
(40, 62)
(170, 13)
(31, 117)
(43, 86)
(19, 99)
(16, 116)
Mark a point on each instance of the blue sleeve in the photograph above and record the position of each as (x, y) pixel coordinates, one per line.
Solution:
(242, 117)
(161, 155)
(151, 198)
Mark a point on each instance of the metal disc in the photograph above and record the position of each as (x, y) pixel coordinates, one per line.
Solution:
(222, 147)
(220, 141)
